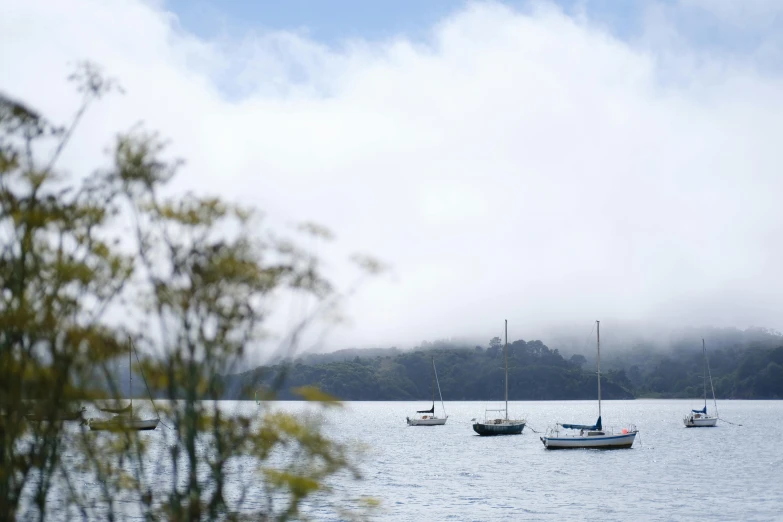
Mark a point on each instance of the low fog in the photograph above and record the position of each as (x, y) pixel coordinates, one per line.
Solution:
(522, 164)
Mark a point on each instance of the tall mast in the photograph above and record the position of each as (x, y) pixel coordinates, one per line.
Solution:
(704, 356)
(598, 345)
(435, 372)
(505, 355)
(433, 385)
(709, 373)
(130, 376)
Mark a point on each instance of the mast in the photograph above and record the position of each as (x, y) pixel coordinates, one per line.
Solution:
(434, 371)
(704, 372)
(149, 392)
(505, 355)
(598, 346)
(130, 375)
(432, 385)
(709, 373)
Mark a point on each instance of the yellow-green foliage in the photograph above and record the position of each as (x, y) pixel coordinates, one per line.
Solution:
(195, 275)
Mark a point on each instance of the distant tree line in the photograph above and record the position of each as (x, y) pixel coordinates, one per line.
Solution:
(753, 373)
(535, 373)
(748, 366)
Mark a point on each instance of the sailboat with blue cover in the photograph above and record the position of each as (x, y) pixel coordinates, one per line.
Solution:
(583, 436)
(700, 418)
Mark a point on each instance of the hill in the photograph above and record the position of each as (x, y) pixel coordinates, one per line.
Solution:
(535, 373)
(745, 364)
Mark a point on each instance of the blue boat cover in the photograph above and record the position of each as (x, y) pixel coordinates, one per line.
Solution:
(704, 410)
(597, 426)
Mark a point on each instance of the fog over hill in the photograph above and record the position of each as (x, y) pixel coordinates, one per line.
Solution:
(745, 364)
(527, 162)
(615, 341)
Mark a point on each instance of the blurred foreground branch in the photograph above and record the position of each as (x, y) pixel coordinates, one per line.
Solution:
(199, 278)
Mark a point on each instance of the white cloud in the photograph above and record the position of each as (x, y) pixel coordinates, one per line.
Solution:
(516, 165)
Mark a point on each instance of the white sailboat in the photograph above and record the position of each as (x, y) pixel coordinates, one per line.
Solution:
(123, 420)
(428, 417)
(503, 426)
(576, 436)
(700, 418)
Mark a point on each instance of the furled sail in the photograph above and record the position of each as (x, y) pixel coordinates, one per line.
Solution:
(597, 426)
(703, 410)
(431, 410)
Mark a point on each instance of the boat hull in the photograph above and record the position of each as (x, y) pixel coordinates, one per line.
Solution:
(488, 430)
(623, 441)
(700, 422)
(426, 422)
(123, 425)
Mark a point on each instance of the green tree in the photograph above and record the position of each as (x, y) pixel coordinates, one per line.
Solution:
(578, 360)
(201, 273)
(495, 345)
(59, 272)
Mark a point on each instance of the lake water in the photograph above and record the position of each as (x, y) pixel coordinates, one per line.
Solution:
(671, 473)
(449, 473)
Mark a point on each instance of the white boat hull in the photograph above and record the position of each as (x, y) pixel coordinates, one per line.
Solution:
(607, 441)
(431, 421)
(579, 436)
(123, 424)
(702, 421)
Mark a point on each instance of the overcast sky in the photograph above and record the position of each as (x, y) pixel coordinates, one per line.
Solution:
(550, 164)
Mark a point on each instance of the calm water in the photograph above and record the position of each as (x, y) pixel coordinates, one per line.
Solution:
(449, 473)
(671, 473)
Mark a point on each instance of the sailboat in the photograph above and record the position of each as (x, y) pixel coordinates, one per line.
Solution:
(504, 426)
(429, 418)
(590, 436)
(700, 418)
(123, 420)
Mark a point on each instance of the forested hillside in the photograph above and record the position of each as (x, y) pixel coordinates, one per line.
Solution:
(744, 365)
(535, 373)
